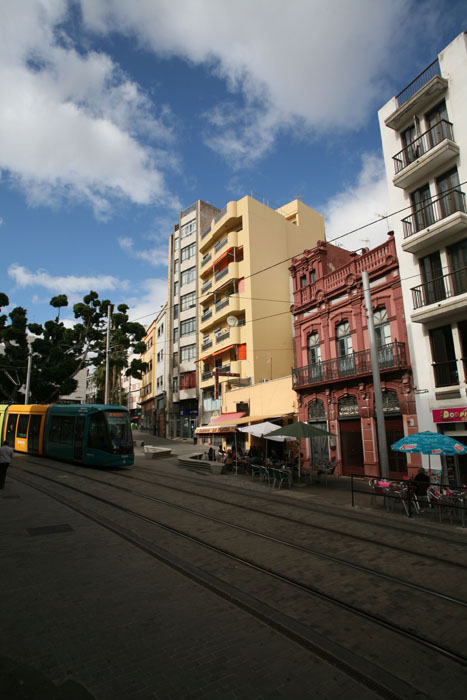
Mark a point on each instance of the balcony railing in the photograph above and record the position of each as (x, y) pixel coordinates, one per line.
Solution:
(206, 259)
(220, 244)
(434, 211)
(222, 273)
(390, 356)
(222, 336)
(206, 345)
(222, 304)
(424, 143)
(418, 82)
(446, 373)
(206, 315)
(206, 287)
(206, 375)
(450, 285)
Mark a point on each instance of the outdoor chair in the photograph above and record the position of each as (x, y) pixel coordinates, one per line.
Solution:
(281, 476)
(329, 472)
(256, 470)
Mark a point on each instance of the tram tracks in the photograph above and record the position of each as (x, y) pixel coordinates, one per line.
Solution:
(289, 581)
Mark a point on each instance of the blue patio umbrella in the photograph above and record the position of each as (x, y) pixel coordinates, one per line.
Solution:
(429, 443)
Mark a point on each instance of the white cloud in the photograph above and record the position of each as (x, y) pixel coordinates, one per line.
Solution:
(360, 203)
(72, 124)
(155, 255)
(67, 284)
(307, 66)
(145, 307)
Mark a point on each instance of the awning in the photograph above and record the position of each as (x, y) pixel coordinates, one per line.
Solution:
(218, 352)
(227, 418)
(215, 429)
(218, 260)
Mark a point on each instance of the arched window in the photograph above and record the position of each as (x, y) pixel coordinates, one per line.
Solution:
(347, 406)
(314, 357)
(382, 327)
(391, 402)
(316, 410)
(346, 360)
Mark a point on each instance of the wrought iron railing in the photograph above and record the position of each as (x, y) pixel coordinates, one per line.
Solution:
(390, 356)
(418, 82)
(435, 210)
(439, 288)
(421, 145)
(446, 373)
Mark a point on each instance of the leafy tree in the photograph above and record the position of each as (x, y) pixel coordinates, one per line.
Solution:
(59, 353)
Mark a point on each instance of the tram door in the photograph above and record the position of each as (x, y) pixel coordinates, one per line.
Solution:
(79, 432)
(11, 429)
(33, 433)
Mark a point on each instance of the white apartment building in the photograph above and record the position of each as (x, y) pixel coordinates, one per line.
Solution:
(424, 137)
(183, 291)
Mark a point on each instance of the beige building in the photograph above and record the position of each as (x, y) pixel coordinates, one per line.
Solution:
(245, 326)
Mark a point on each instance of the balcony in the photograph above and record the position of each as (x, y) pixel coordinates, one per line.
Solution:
(220, 337)
(440, 219)
(221, 304)
(446, 292)
(206, 345)
(206, 375)
(206, 287)
(446, 373)
(222, 273)
(227, 220)
(417, 96)
(220, 244)
(432, 150)
(390, 357)
(206, 259)
(206, 316)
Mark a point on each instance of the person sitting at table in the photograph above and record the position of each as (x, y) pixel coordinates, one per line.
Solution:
(229, 461)
(421, 482)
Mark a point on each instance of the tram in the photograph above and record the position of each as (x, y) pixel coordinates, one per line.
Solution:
(90, 434)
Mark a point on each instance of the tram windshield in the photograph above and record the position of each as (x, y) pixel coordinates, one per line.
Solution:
(120, 431)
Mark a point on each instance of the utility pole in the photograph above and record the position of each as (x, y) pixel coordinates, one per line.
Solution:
(28, 378)
(382, 444)
(107, 351)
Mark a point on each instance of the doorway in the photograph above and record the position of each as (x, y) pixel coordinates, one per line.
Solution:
(351, 447)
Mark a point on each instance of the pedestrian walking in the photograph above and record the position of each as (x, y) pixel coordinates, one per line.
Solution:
(6, 455)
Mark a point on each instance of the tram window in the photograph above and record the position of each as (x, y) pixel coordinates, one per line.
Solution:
(98, 435)
(11, 428)
(22, 426)
(61, 430)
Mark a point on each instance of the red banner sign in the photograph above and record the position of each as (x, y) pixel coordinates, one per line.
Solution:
(449, 415)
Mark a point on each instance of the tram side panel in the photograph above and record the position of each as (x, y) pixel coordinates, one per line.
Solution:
(23, 427)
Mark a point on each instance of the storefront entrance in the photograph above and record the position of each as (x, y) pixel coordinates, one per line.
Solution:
(351, 447)
(397, 461)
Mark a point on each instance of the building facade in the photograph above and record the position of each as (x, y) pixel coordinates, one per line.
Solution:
(147, 389)
(425, 151)
(182, 390)
(161, 373)
(245, 334)
(333, 376)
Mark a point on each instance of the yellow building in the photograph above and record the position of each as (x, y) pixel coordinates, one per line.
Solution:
(148, 388)
(244, 323)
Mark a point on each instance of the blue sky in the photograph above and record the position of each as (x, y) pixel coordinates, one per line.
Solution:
(116, 114)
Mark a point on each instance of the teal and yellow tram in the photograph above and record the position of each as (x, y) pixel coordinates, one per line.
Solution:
(90, 434)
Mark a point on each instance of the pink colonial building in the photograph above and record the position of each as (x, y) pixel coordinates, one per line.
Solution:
(333, 377)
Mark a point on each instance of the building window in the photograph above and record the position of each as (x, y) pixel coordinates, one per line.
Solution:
(149, 343)
(316, 410)
(422, 208)
(347, 406)
(188, 301)
(175, 335)
(444, 357)
(176, 243)
(175, 384)
(314, 356)
(303, 281)
(188, 327)
(435, 121)
(188, 229)
(390, 402)
(175, 289)
(175, 310)
(188, 275)
(312, 276)
(187, 353)
(345, 357)
(188, 380)
(451, 199)
(432, 277)
(382, 327)
(175, 268)
(188, 252)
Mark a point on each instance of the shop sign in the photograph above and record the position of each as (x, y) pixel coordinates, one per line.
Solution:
(449, 415)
